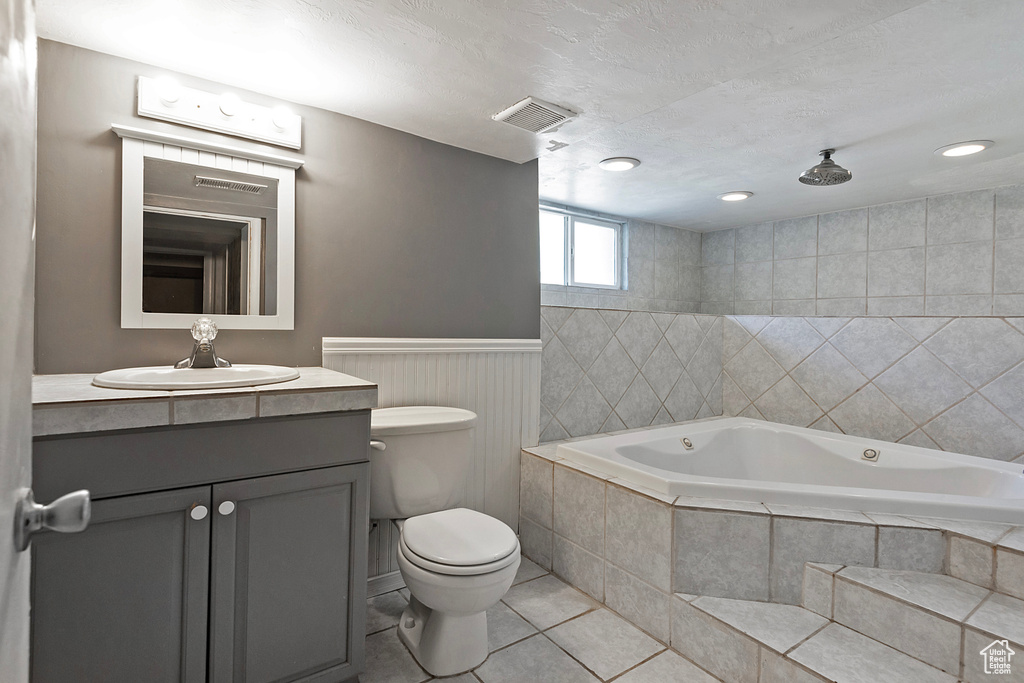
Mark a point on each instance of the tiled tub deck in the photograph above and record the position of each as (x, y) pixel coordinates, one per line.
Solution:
(647, 556)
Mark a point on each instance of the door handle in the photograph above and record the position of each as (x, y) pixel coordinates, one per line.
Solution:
(68, 514)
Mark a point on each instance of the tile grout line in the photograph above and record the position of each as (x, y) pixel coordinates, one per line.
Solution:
(828, 622)
(635, 666)
(992, 305)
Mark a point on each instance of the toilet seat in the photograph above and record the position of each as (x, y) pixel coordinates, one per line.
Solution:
(456, 570)
(458, 542)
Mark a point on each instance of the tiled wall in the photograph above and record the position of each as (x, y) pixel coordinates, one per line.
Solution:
(605, 370)
(950, 255)
(956, 384)
(662, 273)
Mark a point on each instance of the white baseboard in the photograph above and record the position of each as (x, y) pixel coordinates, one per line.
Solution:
(385, 583)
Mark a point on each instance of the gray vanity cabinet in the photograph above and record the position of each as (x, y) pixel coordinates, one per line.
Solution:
(250, 567)
(280, 575)
(126, 599)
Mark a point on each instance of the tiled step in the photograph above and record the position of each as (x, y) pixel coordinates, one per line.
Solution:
(940, 620)
(744, 641)
(1009, 572)
(983, 553)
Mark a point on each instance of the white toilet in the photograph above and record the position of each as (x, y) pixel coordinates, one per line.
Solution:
(456, 562)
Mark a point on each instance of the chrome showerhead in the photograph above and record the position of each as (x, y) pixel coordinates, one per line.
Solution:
(827, 172)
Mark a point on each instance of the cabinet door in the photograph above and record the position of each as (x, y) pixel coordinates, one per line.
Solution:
(288, 573)
(125, 600)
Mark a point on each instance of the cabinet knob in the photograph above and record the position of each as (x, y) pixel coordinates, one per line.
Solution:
(68, 514)
(198, 512)
(226, 508)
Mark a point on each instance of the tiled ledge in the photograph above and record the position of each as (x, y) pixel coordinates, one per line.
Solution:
(632, 548)
(70, 404)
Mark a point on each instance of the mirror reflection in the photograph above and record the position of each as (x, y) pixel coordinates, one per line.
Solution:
(209, 240)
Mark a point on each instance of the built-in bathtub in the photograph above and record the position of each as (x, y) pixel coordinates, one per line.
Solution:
(751, 460)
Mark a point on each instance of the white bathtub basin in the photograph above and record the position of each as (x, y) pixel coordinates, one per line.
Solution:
(168, 377)
(751, 460)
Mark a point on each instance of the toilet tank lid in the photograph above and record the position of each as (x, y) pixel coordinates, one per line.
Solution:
(419, 420)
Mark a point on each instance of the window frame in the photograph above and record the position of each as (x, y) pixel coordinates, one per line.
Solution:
(569, 256)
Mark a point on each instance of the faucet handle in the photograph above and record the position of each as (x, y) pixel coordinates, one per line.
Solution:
(204, 329)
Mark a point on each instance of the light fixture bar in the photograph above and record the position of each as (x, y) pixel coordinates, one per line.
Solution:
(165, 100)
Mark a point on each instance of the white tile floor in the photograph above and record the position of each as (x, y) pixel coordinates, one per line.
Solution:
(542, 630)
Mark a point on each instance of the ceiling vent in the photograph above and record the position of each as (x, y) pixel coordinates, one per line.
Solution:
(221, 184)
(536, 116)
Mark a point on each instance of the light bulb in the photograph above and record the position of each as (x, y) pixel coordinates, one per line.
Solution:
(229, 104)
(168, 90)
(281, 117)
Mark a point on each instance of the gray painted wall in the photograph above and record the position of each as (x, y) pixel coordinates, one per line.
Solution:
(396, 235)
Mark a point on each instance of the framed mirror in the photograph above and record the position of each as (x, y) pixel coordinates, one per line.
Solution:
(206, 229)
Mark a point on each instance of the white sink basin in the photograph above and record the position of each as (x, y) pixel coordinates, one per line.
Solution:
(167, 377)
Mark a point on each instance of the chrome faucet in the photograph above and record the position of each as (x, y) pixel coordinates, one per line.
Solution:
(203, 355)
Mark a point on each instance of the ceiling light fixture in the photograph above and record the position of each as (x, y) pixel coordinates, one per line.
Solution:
(737, 196)
(619, 164)
(962, 149)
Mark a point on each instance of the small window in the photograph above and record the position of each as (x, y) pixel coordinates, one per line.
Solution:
(579, 251)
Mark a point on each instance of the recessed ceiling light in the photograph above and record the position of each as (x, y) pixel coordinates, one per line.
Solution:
(962, 149)
(735, 196)
(619, 164)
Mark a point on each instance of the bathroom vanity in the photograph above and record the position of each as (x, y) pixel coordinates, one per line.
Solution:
(228, 533)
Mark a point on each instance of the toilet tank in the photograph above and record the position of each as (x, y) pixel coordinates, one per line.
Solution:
(425, 460)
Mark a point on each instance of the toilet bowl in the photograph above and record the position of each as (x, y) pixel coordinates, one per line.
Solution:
(456, 562)
(445, 624)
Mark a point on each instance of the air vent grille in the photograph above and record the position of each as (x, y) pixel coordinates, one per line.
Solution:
(536, 116)
(222, 184)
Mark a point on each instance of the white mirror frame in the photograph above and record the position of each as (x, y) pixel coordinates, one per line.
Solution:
(136, 145)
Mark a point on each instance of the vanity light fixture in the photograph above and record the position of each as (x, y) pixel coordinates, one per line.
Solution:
(163, 99)
(962, 149)
(737, 196)
(619, 164)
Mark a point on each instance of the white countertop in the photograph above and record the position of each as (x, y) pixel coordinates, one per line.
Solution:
(67, 404)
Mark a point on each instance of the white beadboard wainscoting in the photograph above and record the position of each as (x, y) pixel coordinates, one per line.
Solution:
(498, 379)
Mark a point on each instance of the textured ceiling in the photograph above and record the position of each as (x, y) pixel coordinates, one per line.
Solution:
(711, 95)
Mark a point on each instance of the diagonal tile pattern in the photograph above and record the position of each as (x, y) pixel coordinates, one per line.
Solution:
(542, 630)
(951, 383)
(608, 370)
(947, 383)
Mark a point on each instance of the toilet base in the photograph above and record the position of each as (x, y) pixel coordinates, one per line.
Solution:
(443, 644)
